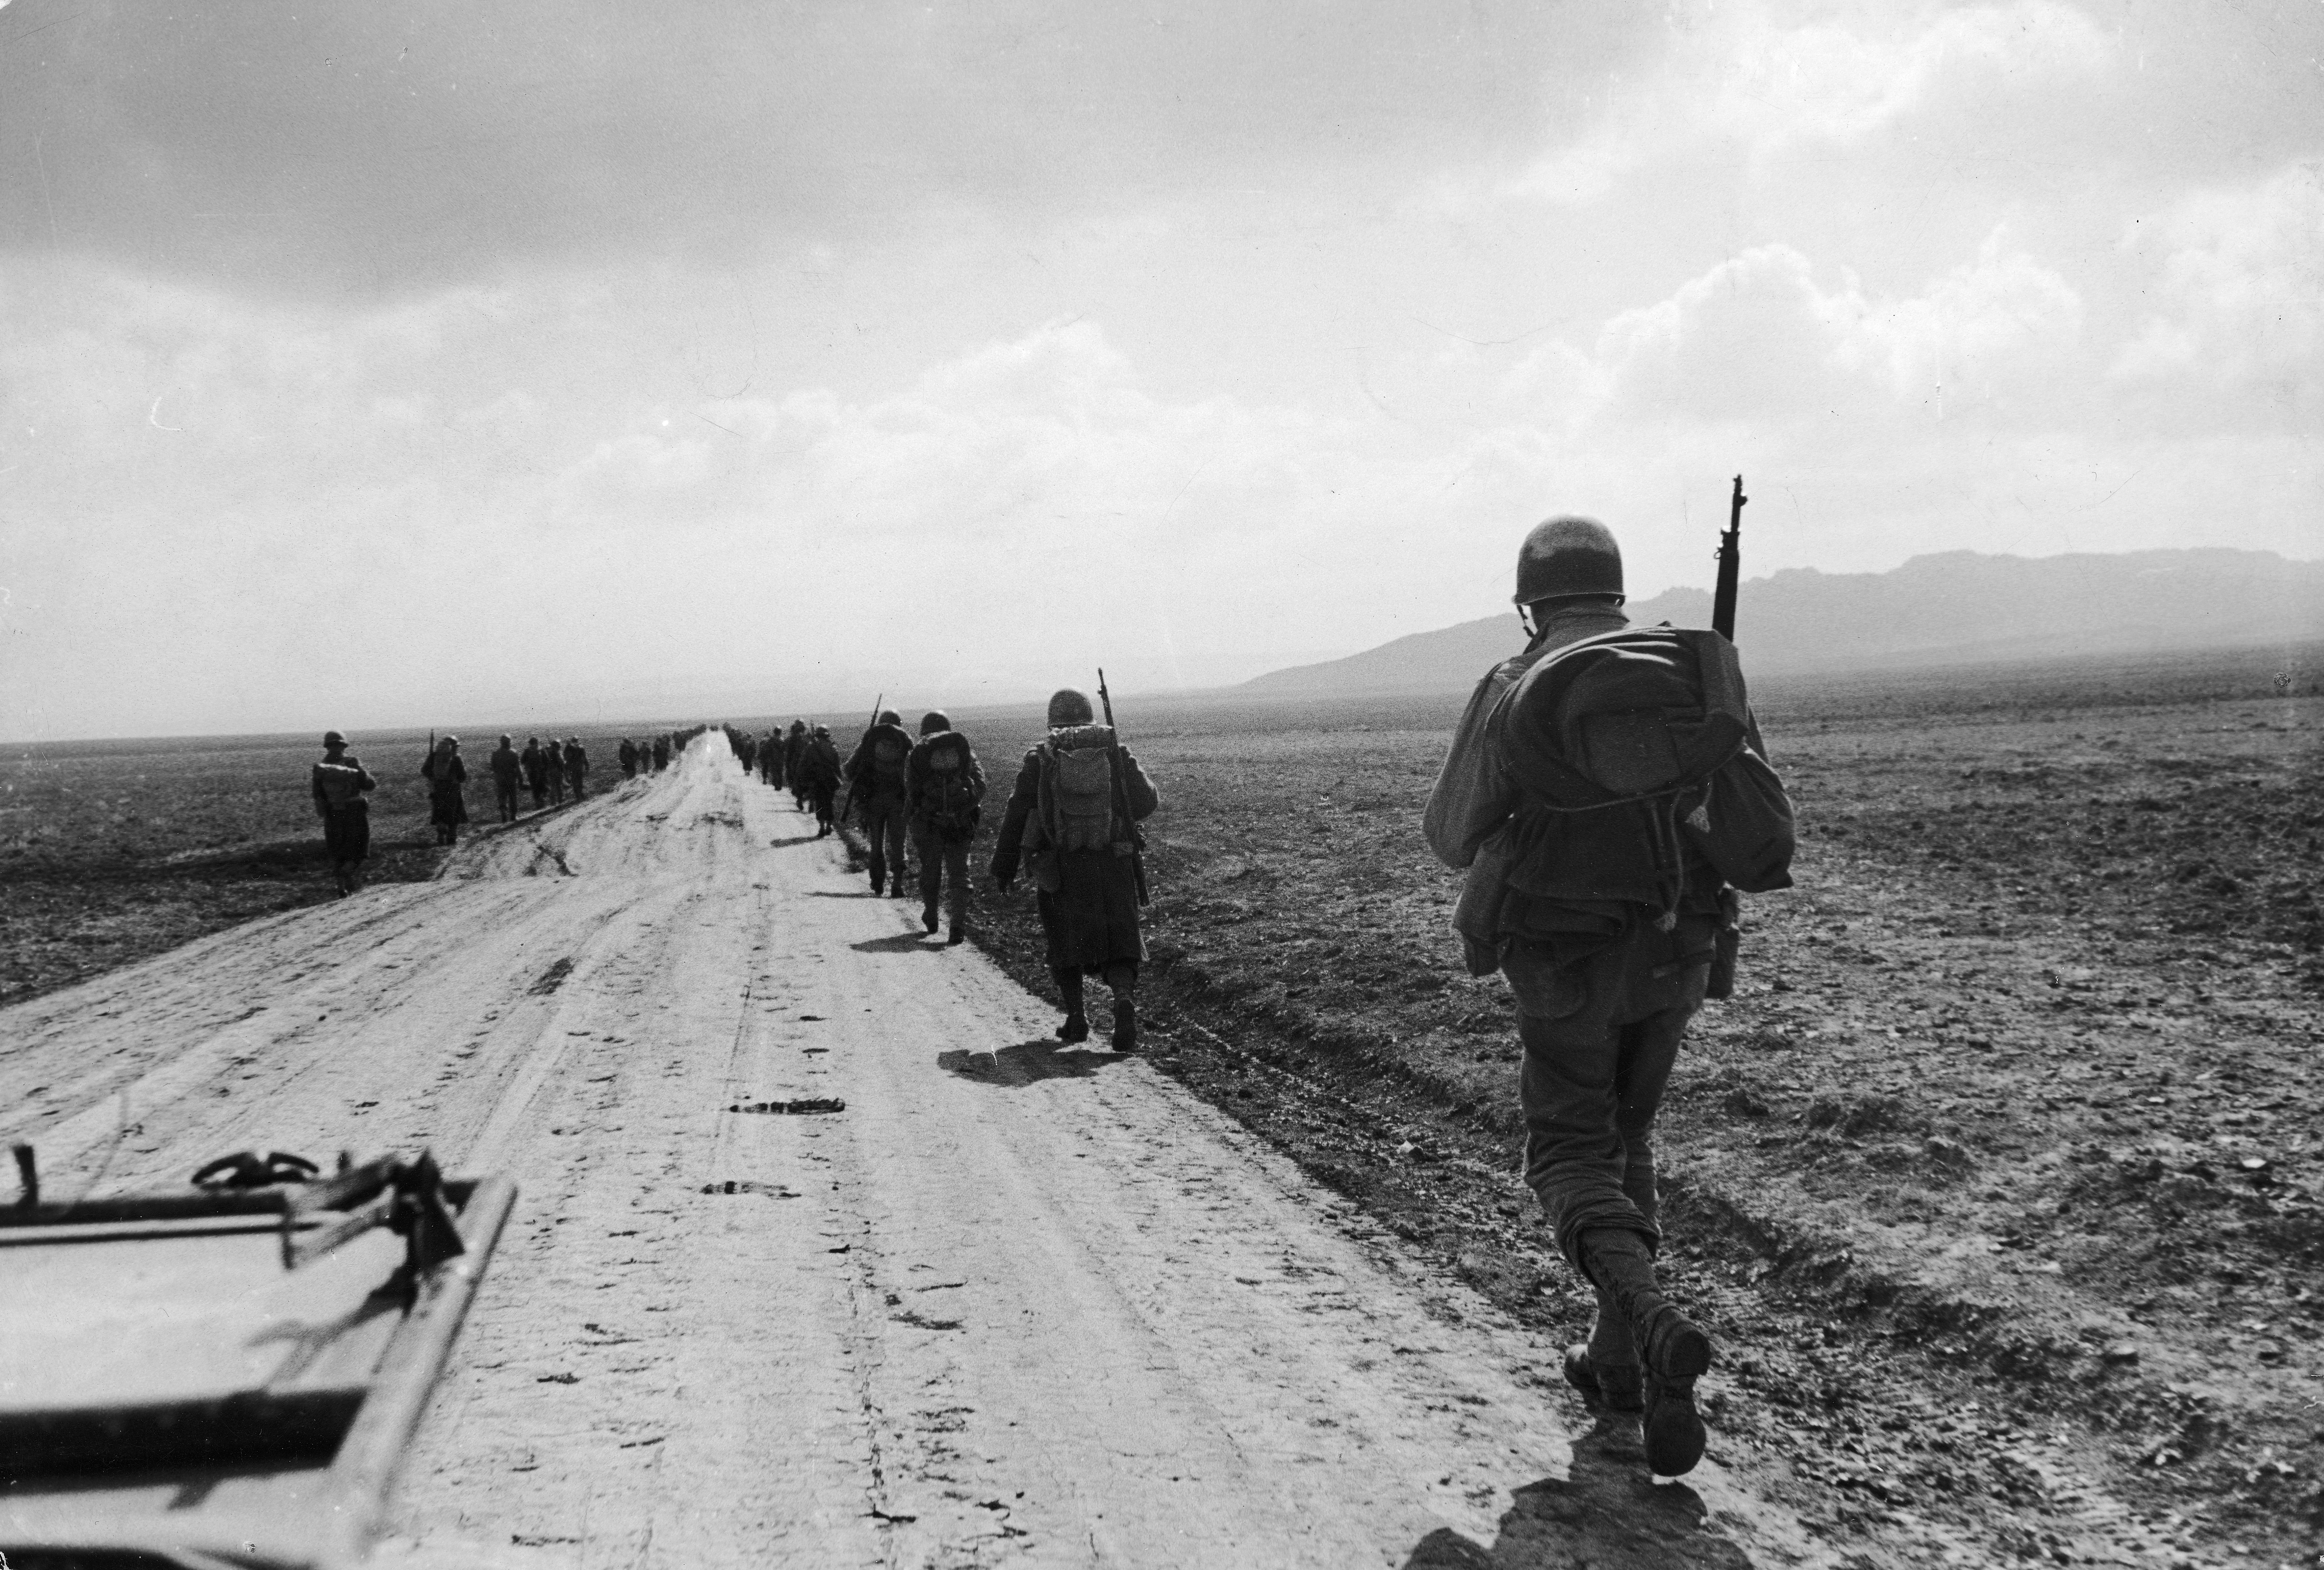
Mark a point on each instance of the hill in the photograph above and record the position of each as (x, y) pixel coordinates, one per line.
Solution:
(1952, 607)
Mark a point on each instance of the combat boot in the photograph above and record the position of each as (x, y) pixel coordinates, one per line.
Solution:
(1125, 1022)
(1611, 1387)
(879, 884)
(959, 934)
(1076, 1025)
(1675, 1350)
(928, 920)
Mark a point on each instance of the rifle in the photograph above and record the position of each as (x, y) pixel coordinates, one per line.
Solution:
(1122, 797)
(1730, 565)
(855, 788)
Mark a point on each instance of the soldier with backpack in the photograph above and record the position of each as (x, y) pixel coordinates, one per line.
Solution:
(1072, 824)
(338, 784)
(876, 777)
(1605, 791)
(818, 774)
(506, 768)
(552, 759)
(946, 786)
(447, 776)
(535, 771)
(794, 747)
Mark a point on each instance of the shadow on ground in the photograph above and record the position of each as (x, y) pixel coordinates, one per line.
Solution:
(1012, 1067)
(899, 943)
(1606, 1513)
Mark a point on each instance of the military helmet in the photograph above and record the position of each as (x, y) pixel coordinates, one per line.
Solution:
(333, 738)
(933, 721)
(1069, 706)
(1568, 556)
(889, 717)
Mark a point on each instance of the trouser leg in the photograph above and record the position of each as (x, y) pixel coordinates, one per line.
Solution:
(931, 875)
(1122, 976)
(889, 827)
(1075, 1027)
(955, 870)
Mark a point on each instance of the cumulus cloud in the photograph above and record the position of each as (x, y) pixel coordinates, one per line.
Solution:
(2241, 276)
(1762, 81)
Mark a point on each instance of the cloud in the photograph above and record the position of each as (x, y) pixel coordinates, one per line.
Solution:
(1757, 339)
(1753, 81)
(2241, 279)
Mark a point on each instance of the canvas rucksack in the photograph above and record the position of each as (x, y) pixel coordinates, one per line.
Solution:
(1631, 748)
(947, 793)
(341, 783)
(1078, 787)
(889, 748)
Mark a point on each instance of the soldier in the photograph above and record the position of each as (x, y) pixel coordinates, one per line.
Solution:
(1606, 973)
(338, 784)
(661, 753)
(770, 757)
(447, 802)
(794, 755)
(507, 767)
(626, 755)
(535, 771)
(876, 777)
(552, 767)
(818, 774)
(1066, 825)
(946, 784)
(577, 766)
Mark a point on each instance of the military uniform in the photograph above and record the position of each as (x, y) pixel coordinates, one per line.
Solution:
(508, 768)
(1087, 897)
(945, 785)
(876, 775)
(337, 785)
(1606, 977)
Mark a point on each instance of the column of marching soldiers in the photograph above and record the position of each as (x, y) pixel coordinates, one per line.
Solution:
(1605, 791)
(551, 774)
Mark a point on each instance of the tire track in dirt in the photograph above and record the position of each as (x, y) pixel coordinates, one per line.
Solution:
(1016, 1303)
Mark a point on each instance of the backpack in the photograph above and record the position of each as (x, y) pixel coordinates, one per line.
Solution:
(341, 783)
(1633, 748)
(883, 767)
(948, 795)
(1078, 787)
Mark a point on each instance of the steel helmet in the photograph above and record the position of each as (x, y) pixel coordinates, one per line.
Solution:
(1568, 556)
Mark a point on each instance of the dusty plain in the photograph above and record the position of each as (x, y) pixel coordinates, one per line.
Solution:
(1998, 1176)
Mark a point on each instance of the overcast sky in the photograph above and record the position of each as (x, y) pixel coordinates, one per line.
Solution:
(372, 365)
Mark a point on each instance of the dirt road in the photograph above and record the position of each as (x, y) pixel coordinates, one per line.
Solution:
(1015, 1303)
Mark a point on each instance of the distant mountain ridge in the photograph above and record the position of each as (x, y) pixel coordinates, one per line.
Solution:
(1949, 608)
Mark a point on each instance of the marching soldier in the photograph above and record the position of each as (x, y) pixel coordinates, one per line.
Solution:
(1606, 972)
(535, 771)
(338, 784)
(877, 776)
(1072, 825)
(506, 768)
(818, 774)
(945, 785)
(577, 766)
(447, 777)
(552, 759)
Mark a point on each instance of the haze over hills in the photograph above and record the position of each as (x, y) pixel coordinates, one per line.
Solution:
(1952, 607)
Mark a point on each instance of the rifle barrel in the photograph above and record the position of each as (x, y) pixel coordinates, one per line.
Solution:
(1730, 565)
